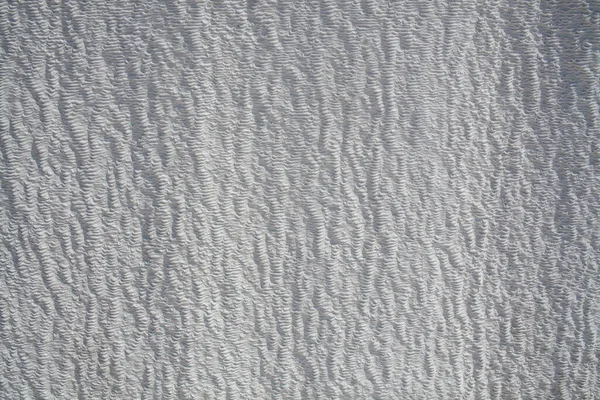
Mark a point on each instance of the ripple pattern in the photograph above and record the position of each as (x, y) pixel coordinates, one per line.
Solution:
(320, 199)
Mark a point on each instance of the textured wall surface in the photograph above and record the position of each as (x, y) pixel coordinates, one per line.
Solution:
(299, 199)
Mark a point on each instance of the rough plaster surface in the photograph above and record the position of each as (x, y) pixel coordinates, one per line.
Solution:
(299, 199)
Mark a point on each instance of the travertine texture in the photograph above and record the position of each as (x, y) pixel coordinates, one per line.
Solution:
(299, 199)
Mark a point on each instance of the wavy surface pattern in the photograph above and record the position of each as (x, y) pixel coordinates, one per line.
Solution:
(317, 199)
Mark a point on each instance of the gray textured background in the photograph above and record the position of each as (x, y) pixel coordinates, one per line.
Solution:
(308, 200)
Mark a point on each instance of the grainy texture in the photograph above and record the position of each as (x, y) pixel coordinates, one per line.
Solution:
(299, 200)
